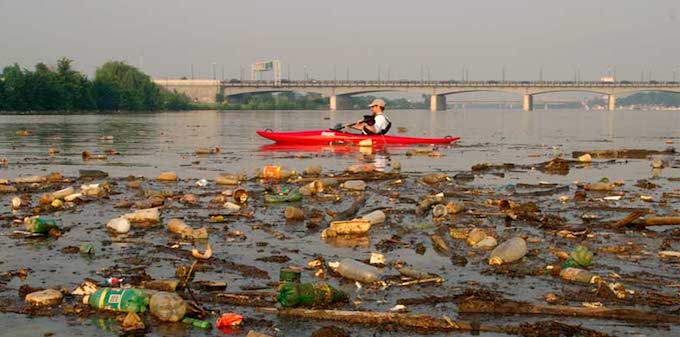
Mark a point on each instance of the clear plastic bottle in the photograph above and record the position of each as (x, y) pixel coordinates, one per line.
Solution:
(508, 251)
(354, 185)
(118, 299)
(275, 172)
(167, 306)
(358, 271)
(578, 275)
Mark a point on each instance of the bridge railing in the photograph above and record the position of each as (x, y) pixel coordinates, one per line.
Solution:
(452, 83)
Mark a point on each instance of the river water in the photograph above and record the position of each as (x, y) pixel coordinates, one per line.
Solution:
(152, 143)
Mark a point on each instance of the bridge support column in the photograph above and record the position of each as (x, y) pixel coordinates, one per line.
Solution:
(528, 103)
(611, 103)
(437, 102)
(339, 102)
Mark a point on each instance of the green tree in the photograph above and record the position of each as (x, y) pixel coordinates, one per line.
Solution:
(76, 89)
(16, 91)
(119, 86)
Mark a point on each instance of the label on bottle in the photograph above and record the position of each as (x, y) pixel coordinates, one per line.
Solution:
(271, 172)
(114, 299)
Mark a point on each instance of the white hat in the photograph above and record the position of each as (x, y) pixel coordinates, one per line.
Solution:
(379, 102)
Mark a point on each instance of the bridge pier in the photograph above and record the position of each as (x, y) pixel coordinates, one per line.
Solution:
(528, 103)
(611, 103)
(437, 102)
(339, 102)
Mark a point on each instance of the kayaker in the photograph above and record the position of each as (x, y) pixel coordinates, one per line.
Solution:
(379, 124)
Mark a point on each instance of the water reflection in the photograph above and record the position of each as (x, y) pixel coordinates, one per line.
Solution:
(147, 142)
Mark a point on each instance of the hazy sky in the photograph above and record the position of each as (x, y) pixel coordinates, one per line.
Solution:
(164, 37)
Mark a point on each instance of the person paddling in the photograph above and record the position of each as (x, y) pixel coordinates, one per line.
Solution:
(379, 124)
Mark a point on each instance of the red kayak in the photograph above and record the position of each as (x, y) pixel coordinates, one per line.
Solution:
(338, 137)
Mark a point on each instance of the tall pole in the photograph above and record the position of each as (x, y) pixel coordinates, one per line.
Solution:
(222, 73)
(214, 73)
(421, 73)
(335, 74)
(288, 71)
(540, 74)
(503, 74)
(192, 71)
(347, 74)
(378, 73)
(388, 72)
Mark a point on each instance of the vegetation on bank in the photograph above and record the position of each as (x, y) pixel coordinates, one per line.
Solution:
(297, 101)
(667, 99)
(116, 86)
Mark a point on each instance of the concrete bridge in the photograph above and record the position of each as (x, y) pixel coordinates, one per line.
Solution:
(339, 91)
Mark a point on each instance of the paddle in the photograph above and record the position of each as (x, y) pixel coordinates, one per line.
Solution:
(340, 126)
(368, 119)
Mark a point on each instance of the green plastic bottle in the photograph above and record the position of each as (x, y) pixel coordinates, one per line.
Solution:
(308, 295)
(197, 323)
(118, 299)
(291, 196)
(580, 257)
(40, 225)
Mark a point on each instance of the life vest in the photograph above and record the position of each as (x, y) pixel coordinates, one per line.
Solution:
(370, 120)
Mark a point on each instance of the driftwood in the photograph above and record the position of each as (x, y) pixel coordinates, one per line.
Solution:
(628, 219)
(621, 153)
(524, 308)
(659, 221)
(410, 321)
(350, 212)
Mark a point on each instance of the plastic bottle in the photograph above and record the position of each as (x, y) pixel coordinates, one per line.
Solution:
(508, 251)
(127, 299)
(439, 211)
(361, 168)
(167, 306)
(40, 225)
(313, 170)
(294, 213)
(197, 323)
(578, 275)
(435, 178)
(148, 215)
(308, 295)
(579, 257)
(312, 188)
(240, 196)
(275, 172)
(354, 185)
(600, 186)
(350, 227)
(293, 195)
(63, 193)
(358, 271)
(374, 217)
(119, 225)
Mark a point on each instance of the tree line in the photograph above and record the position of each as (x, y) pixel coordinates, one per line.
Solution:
(116, 86)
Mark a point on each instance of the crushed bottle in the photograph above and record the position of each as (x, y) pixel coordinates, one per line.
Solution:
(167, 306)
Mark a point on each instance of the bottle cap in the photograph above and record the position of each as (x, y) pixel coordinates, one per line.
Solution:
(495, 261)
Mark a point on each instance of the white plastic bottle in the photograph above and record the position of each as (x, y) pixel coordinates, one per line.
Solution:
(508, 251)
(355, 270)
